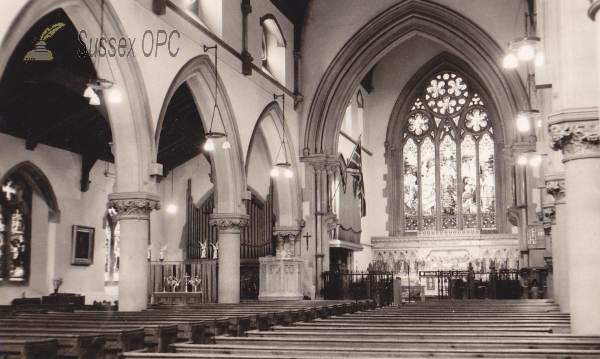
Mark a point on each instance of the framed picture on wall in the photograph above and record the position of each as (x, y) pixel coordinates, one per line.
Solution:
(82, 245)
(430, 283)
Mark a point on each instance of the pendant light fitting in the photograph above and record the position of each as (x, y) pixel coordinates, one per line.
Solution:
(210, 145)
(287, 172)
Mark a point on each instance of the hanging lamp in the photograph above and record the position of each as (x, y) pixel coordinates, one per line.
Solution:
(282, 166)
(210, 135)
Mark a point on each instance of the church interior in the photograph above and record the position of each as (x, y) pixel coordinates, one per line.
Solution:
(183, 161)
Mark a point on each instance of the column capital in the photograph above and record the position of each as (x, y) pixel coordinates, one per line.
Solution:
(575, 133)
(549, 212)
(229, 222)
(246, 7)
(321, 162)
(133, 205)
(594, 7)
(286, 231)
(556, 188)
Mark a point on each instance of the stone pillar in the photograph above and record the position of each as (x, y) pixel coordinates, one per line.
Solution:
(575, 132)
(322, 165)
(555, 186)
(133, 211)
(246, 56)
(229, 225)
(549, 224)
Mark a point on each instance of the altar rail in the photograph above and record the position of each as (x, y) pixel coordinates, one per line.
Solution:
(205, 269)
(358, 285)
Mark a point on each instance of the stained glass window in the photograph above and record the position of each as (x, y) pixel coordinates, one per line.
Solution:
(15, 229)
(447, 122)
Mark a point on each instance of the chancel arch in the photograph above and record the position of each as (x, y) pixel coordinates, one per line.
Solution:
(388, 31)
(444, 144)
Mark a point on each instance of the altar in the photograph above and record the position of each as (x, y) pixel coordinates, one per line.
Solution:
(180, 298)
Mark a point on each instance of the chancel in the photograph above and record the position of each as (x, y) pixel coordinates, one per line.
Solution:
(307, 178)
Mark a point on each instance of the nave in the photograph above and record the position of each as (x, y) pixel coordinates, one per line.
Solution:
(304, 329)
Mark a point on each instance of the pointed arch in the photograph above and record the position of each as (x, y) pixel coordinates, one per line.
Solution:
(387, 31)
(129, 119)
(227, 164)
(269, 128)
(405, 105)
(37, 180)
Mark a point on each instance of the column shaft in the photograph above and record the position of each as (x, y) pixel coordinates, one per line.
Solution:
(229, 267)
(561, 259)
(583, 228)
(133, 265)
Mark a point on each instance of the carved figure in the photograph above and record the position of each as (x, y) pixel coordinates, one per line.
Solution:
(203, 254)
(215, 250)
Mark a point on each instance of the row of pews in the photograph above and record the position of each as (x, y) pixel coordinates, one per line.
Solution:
(440, 329)
(109, 334)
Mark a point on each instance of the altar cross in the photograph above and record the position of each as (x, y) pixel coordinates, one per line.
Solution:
(9, 190)
(307, 237)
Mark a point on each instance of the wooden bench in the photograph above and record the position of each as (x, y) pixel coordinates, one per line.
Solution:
(81, 346)
(117, 340)
(158, 337)
(28, 348)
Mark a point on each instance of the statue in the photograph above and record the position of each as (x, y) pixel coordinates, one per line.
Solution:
(203, 254)
(215, 250)
(161, 254)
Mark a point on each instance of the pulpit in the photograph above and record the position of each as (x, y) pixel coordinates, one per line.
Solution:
(281, 276)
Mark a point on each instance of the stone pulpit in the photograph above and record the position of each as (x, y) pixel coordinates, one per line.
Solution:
(281, 276)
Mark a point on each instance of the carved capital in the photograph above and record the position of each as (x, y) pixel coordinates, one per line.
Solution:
(132, 205)
(550, 213)
(549, 264)
(229, 223)
(575, 133)
(556, 189)
(247, 63)
(509, 155)
(298, 98)
(246, 8)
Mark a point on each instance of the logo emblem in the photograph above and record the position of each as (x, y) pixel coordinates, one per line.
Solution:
(40, 52)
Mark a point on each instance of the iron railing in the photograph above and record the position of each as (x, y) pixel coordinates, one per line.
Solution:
(464, 284)
(345, 285)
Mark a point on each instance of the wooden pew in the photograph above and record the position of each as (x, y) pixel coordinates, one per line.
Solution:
(158, 337)
(117, 340)
(81, 346)
(28, 348)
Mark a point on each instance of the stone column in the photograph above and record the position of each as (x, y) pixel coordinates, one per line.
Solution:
(549, 224)
(575, 132)
(555, 186)
(229, 225)
(133, 211)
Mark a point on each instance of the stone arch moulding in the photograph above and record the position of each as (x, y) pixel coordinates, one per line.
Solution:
(227, 165)
(388, 30)
(397, 121)
(129, 119)
(288, 190)
(40, 183)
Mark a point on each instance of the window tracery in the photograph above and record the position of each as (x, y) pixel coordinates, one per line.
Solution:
(448, 159)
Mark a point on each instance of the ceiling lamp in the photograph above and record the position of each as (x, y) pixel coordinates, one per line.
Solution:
(210, 135)
(525, 48)
(282, 166)
(532, 158)
(99, 84)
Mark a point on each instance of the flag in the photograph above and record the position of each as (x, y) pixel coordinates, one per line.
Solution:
(343, 171)
(354, 168)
